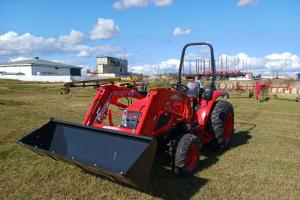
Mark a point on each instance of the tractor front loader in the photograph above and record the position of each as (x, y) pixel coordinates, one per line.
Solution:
(181, 119)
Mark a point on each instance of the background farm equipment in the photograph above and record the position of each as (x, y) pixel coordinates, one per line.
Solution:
(178, 120)
(242, 89)
(86, 83)
(95, 82)
(260, 89)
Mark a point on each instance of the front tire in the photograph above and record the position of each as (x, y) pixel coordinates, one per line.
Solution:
(220, 125)
(187, 154)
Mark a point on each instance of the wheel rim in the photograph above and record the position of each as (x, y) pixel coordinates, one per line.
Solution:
(228, 127)
(192, 157)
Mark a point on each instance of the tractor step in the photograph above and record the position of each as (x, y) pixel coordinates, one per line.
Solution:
(118, 156)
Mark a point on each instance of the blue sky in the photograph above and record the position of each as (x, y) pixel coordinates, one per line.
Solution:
(263, 32)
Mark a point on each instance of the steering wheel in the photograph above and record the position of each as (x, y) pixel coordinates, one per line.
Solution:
(179, 87)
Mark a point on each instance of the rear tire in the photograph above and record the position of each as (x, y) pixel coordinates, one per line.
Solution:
(220, 125)
(187, 154)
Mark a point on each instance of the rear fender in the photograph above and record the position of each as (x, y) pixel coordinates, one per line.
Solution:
(203, 113)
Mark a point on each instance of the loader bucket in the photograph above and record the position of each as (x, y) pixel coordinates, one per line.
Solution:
(118, 156)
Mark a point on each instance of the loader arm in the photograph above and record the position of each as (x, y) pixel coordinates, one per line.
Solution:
(108, 95)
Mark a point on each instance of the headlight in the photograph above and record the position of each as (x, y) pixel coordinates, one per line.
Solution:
(130, 119)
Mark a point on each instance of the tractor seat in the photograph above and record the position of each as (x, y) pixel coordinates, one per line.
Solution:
(195, 89)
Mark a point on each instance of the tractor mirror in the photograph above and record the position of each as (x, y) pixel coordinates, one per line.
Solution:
(208, 94)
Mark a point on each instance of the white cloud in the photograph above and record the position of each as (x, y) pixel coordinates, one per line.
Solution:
(147, 69)
(123, 55)
(13, 44)
(75, 37)
(20, 58)
(104, 29)
(125, 4)
(169, 64)
(179, 31)
(239, 61)
(162, 2)
(165, 66)
(84, 51)
(242, 3)
(283, 60)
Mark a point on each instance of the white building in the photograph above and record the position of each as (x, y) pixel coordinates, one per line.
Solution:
(111, 67)
(39, 70)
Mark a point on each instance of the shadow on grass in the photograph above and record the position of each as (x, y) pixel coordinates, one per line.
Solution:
(83, 96)
(242, 137)
(12, 103)
(165, 185)
(285, 99)
(241, 97)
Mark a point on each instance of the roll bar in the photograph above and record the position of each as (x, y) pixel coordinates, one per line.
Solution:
(213, 65)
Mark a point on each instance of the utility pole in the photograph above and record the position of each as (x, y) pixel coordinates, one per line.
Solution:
(174, 68)
(203, 65)
(197, 66)
(221, 62)
(226, 64)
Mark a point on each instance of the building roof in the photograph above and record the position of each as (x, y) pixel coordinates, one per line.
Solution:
(110, 57)
(37, 62)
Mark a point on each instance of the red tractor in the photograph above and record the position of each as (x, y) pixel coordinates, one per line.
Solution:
(181, 119)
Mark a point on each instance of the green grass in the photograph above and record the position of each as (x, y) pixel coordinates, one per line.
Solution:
(263, 163)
